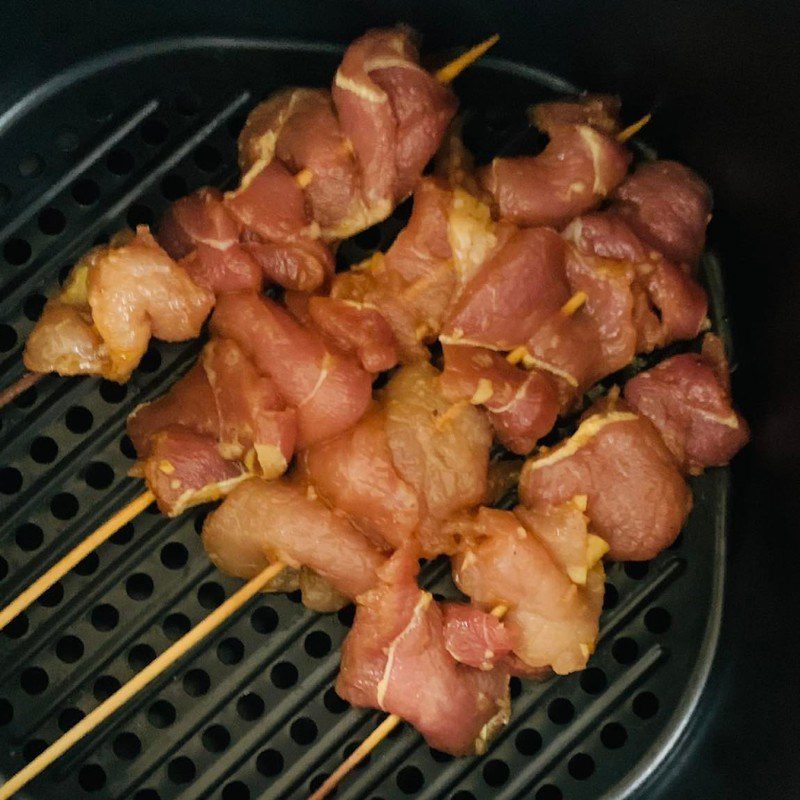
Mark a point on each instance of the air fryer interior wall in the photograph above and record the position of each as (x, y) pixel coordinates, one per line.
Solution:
(723, 82)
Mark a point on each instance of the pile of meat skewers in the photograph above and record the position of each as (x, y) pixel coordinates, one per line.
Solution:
(539, 276)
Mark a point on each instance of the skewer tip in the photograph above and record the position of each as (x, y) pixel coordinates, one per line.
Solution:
(449, 72)
(633, 129)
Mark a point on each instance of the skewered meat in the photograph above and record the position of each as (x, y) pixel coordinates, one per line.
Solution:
(184, 468)
(223, 397)
(668, 207)
(580, 166)
(546, 568)
(688, 399)
(599, 111)
(474, 637)
(395, 658)
(407, 466)
(116, 298)
(367, 143)
(261, 522)
(329, 390)
(637, 497)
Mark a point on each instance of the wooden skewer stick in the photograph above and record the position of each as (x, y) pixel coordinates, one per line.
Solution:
(142, 679)
(18, 387)
(633, 129)
(449, 72)
(372, 741)
(75, 556)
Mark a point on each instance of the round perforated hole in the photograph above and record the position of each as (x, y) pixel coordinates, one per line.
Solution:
(625, 650)
(230, 651)
(173, 187)
(29, 537)
(196, 682)
(8, 338)
(349, 749)
(515, 687)
(140, 214)
(105, 617)
(175, 626)
(33, 748)
(33, 306)
(120, 161)
(207, 158)
(174, 555)
(98, 475)
(161, 714)
(645, 705)
(34, 680)
(439, 757)
(88, 565)
(410, 780)
(613, 736)
(611, 597)
(123, 535)
(151, 360)
(10, 480)
(187, 104)
(317, 644)
(44, 450)
(210, 595)
(528, 742)
(593, 680)
(105, 686)
(561, 711)
(139, 586)
(140, 656)
(303, 730)
(216, 738)
(636, 569)
(154, 131)
(113, 392)
(6, 711)
(79, 419)
(269, 763)
(250, 706)
(64, 506)
(495, 772)
(284, 675)
(581, 766)
(334, 703)
(53, 596)
(346, 616)
(27, 398)
(236, 790)
(17, 628)
(16, 252)
(657, 620)
(264, 619)
(69, 718)
(549, 792)
(147, 794)
(85, 192)
(127, 745)
(69, 649)
(51, 221)
(181, 770)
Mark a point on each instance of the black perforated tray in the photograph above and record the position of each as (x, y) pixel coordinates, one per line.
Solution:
(252, 713)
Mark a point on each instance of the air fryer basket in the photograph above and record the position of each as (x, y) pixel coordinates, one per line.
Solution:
(251, 713)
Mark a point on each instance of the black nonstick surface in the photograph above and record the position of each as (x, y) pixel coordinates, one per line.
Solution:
(252, 714)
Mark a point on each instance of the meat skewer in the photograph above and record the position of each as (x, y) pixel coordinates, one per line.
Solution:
(684, 404)
(217, 243)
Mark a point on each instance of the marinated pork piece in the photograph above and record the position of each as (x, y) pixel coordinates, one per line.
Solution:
(580, 166)
(329, 390)
(522, 404)
(225, 398)
(116, 298)
(668, 206)
(395, 658)
(599, 111)
(637, 499)
(546, 569)
(366, 143)
(474, 637)
(688, 399)
(411, 463)
(261, 522)
(184, 469)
